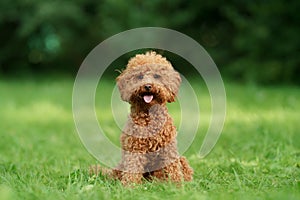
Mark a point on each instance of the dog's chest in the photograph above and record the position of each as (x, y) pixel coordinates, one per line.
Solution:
(146, 126)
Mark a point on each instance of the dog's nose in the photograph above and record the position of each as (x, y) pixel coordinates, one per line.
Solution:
(147, 87)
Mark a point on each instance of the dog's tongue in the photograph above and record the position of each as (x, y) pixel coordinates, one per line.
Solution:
(148, 98)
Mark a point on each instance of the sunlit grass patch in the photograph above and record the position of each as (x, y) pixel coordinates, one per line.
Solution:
(41, 156)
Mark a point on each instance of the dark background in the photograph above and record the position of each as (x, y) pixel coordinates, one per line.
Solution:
(250, 41)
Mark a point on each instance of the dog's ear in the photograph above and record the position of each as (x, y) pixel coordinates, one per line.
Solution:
(121, 83)
(174, 83)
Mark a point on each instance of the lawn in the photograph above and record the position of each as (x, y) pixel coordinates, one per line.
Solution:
(41, 155)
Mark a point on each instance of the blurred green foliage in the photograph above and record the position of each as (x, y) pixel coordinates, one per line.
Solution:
(256, 41)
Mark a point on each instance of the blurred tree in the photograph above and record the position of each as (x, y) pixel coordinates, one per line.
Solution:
(265, 40)
(249, 40)
(38, 35)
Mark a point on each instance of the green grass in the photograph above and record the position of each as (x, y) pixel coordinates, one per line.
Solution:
(41, 156)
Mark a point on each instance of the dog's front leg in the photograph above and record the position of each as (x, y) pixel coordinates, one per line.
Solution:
(133, 165)
(129, 179)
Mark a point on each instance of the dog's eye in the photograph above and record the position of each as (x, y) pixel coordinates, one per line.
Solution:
(140, 76)
(156, 76)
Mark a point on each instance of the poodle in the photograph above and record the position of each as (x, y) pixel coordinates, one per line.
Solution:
(148, 140)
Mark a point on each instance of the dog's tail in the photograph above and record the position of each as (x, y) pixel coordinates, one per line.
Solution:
(103, 171)
(99, 170)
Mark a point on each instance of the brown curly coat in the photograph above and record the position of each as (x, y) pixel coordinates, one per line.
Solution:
(148, 141)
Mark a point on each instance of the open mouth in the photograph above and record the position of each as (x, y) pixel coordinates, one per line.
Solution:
(147, 97)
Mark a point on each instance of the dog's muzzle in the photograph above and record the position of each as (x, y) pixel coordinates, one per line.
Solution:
(148, 96)
(148, 87)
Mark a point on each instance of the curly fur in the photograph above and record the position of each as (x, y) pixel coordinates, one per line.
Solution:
(148, 141)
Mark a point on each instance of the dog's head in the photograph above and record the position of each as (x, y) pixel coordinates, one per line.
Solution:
(148, 79)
